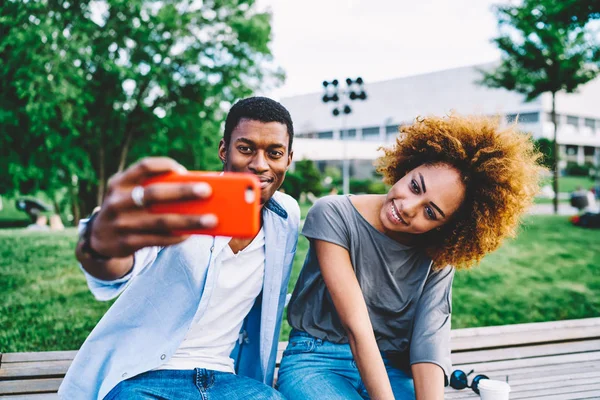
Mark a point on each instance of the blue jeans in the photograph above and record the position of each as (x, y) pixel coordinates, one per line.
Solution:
(198, 384)
(312, 368)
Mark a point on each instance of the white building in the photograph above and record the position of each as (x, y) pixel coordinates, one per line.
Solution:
(374, 122)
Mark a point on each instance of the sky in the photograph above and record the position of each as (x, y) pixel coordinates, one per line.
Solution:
(316, 40)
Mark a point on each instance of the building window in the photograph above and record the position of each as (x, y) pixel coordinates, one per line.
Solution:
(571, 150)
(590, 123)
(325, 135)
(571, 120)
(371, 134)
(391, 132)
(348, 134)
(525, 118)
(589, 151)
(306, 135)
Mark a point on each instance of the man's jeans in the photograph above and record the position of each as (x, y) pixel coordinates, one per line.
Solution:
(198, 384)
(312, 368)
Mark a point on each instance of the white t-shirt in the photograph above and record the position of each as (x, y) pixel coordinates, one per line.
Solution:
(211, 340)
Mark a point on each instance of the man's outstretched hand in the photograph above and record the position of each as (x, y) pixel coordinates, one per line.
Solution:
(124, 224)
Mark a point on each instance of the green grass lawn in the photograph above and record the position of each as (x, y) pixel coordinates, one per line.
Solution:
(568, 184)
(550, 272)
(10, 216)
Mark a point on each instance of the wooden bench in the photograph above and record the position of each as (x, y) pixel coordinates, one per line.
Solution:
(548, 360)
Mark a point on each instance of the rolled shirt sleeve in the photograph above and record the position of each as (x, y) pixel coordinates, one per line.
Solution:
(108, 290)
(326, 221)
(430, 342)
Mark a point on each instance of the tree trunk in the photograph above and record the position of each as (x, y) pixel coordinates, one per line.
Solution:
(556, 155)
(101, 175)
(75, 209)
(125, 150)
(129, 126)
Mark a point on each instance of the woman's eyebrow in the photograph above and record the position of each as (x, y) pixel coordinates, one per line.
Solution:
(437, 208)
(423, 184)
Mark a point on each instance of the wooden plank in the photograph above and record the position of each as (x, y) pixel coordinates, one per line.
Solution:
(501, 339)
(526, 390)
(37, 396)
(567, 384)
(452, 394)
(30, 386)
(570, 393)
(55, 369)
(510, 353)
(537, 370)
(28, 364)
(543, 393)
(573, 396)
(568, 378)
(524, 328)
(531, 362)
(39, 356)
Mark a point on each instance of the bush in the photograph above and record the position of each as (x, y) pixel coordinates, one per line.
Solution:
(574, 169)
(370, 186)
(292, 185)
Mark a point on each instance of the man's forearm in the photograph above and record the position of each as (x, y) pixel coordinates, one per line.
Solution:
(109, 270)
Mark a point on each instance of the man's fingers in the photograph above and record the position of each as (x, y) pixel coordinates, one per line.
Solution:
(165, 224)
(147, 168)
(168, 192)
(123, 200)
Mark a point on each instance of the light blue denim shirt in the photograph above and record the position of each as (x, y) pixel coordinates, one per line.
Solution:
(169, 289)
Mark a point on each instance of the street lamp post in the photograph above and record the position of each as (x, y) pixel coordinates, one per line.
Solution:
(333, 93)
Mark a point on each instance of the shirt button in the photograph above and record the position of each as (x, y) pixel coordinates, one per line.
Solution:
(124, 375)
(163, 357)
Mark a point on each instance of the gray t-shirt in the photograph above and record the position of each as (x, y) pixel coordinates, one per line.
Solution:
(408, 302)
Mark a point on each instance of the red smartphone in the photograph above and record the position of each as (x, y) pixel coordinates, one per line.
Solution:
(235, 200)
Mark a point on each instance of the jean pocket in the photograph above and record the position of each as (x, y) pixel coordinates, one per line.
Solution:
(299, 345)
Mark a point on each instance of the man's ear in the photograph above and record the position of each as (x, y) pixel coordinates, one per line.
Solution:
(223, 151)
(290, 157)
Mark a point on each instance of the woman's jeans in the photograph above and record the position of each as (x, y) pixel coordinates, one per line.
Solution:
(312, 368)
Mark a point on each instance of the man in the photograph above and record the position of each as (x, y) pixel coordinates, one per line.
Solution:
(198, 316)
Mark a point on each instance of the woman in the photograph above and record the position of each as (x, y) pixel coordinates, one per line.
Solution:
(371, 309)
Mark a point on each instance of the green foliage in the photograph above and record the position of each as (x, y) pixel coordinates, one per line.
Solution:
(311, 177)
(292, 185)
(371, 186)
(574, 169)
(542, 50)
(546, 147)
(86, 93)
(305, 178)
(546, 46)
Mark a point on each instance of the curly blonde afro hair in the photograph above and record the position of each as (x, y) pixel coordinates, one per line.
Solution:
(498, 166)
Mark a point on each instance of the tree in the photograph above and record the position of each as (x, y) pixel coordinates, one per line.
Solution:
(91, 86)
(545, 48)
(546, 148)
(305, 178)
(310, 176)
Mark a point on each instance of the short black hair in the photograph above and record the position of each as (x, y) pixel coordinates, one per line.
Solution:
(260, 109)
